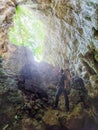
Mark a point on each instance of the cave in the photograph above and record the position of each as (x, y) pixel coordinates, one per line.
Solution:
(38, 38)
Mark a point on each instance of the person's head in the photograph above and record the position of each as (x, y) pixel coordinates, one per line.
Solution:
(61, 71)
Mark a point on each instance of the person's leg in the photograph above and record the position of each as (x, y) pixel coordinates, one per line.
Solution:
(58, 93)
(66, 100)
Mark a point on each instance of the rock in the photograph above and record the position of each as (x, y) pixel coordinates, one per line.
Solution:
(79, 116)
(6, 126)
(71, 41)
(94, 83)
(50, 117)
(27, 124)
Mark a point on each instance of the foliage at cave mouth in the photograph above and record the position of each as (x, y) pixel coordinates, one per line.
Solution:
(28, 31)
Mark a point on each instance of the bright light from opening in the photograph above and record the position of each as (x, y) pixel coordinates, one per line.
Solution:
(28, 31)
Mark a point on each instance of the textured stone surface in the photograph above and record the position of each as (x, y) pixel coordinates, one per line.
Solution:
(7, 9)
(71, 28)
(73, 37)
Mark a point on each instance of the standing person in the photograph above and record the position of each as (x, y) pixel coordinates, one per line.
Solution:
(79, 86)
(62, 80)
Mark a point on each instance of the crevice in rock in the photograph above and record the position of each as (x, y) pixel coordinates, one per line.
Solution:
(95, 32)
(88, 68)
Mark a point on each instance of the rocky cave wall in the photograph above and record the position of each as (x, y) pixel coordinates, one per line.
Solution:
(73, 42)
(71, 29)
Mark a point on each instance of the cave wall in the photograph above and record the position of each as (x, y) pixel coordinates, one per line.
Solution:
(72, 38)
(73, 42)
(71, 29)
(79, 39)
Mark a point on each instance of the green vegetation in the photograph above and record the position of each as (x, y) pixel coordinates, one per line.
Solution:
(27, 31)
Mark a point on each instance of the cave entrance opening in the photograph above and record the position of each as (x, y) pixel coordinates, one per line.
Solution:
(28, 31)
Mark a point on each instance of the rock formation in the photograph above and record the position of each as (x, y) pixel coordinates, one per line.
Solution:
(71, 42)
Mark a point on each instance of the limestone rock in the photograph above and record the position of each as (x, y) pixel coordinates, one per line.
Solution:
(71, 41)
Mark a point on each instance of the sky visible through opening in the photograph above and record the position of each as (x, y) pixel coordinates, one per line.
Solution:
(28, 31)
